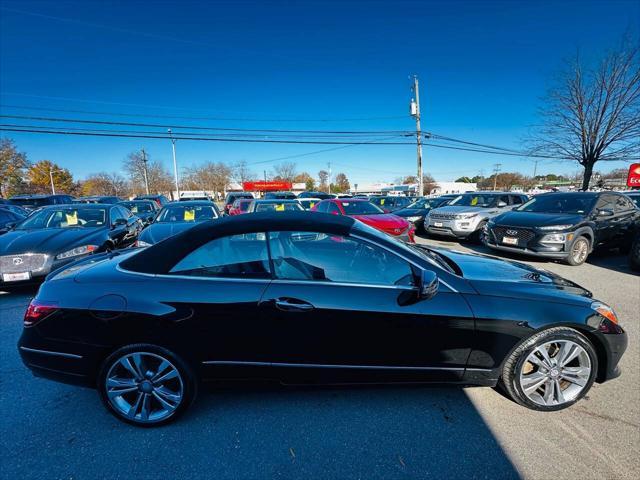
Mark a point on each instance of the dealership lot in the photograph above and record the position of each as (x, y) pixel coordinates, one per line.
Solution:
(51, 430)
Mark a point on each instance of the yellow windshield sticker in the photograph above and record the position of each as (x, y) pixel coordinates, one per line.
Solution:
(134, 209)
(280, 207)
(382, 201)
(311, 204)
(189, 215)
(474, 201)
(72, 219)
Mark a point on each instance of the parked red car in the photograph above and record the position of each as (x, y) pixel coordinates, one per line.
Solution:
(370, 214)
(240, 206)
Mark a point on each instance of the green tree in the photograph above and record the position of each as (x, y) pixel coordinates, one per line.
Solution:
(13, 169)
(341, 184)
(39, 177)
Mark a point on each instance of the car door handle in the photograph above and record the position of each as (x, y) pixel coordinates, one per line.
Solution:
(292, 305)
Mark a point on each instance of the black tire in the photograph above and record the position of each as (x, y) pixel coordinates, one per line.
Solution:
(186, 376)
(478, 235)
(517, 359)
(575, 258)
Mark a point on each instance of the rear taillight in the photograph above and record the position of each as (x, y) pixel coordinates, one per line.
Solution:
(37, 311)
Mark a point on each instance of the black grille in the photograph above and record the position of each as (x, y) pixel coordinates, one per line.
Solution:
(523, 235)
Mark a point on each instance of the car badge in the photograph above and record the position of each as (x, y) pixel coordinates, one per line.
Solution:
(17, 261)
(512, 232)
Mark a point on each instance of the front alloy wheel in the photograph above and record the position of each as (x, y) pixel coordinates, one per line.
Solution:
(145, 386)
(579, 251)
(551, 370)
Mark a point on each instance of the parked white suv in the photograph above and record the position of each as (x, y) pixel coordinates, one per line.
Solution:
(466, 216)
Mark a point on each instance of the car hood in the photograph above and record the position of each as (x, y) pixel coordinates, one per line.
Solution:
(386, 221)
(411, 212)
(453, 209)
(49, 240)
(156, 232)
(530, 219)
(506, 278)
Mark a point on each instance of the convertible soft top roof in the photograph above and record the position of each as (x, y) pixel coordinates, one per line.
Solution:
(161, 257)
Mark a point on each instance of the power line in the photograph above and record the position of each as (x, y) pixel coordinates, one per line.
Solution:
(196, 127)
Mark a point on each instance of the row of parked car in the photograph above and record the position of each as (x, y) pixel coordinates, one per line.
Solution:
(564, 226)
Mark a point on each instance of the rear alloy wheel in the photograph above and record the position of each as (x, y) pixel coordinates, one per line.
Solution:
(578, 252)
(552, 370)
(145, 385)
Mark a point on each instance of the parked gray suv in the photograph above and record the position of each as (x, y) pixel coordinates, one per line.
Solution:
(467, 216)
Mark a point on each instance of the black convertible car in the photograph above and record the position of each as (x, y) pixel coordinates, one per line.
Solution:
(312, 298)
(54, 236)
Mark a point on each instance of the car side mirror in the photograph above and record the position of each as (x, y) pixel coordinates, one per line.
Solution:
(428, 285)
(118, 222)
(605, 212)
(501, 204)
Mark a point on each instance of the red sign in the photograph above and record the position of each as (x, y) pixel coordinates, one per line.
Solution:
(633, 180)
(260, 186)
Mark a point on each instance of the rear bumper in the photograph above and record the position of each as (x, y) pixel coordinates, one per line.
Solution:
(66, 362)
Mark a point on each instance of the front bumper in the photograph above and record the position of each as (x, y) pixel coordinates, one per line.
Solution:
(615, 345)
(38, 276)
(528, 242)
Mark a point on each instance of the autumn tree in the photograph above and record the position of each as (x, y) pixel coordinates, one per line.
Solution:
(593, 113)
(323, 176)
(13, 169)
(39, 177)
(159, 179)
(429, 183)
(104, 183)
(210, 176)
(341, 184)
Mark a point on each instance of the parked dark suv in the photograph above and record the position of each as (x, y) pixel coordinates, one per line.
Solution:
(31, 202)
(232, 197)
(565, 226)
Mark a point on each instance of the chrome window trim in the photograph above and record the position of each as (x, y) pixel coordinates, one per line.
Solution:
(341, 284)
(337, 366)
(48, 352)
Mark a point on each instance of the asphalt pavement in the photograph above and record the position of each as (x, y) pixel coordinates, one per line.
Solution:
(50, 430)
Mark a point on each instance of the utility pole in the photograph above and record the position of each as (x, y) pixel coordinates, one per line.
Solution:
(144, 171)
(535, 168)
(496, 169)
(329, 179)
(175, 165)
(53, 187)
(415, 113)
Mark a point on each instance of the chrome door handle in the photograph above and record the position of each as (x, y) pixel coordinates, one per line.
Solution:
(291, 306)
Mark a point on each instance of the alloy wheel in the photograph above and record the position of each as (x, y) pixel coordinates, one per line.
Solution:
(144, 387)
(579, 251)
(555, 372)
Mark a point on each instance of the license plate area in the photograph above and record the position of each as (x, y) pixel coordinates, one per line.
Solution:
(16, 277)
(437, 224)
(509, 241)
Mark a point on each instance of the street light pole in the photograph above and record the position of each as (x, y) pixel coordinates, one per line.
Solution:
(175, 165)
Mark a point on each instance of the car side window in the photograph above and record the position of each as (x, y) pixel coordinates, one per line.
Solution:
(516, 200)
(333, 208)
(623, 204)
(504, 198)
(335, 258)
(117, 214)
(235, 256)
(606, 202)
(322, 206)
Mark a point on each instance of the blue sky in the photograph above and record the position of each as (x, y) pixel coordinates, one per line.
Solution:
(329, 65)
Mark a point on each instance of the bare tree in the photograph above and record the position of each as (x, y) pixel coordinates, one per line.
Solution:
(323, 176)
(341, 184)
(104, 183)
(594, 114)
(210, 176)
(285, 171)
(240, 172)
(159, 179)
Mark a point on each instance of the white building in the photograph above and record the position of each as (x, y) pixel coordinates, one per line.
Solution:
(442, 188)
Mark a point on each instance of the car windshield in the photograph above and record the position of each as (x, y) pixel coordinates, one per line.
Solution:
(474, 201)
(76, 216)
(31, 202)
(277, 206)
(381, 201)
(360, 208)
(308, 203)
(562, 203)
(186, 213)
(138, 207)
(427, 203)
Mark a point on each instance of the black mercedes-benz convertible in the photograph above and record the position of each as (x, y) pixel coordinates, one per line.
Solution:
(305, 297)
